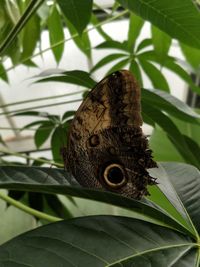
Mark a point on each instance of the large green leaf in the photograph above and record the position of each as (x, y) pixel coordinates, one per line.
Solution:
(51, 180)
(179, 18)
(77, 12)
(99, 241)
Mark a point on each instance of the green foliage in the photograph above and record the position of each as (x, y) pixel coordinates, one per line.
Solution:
(160, 230)
(166, 228)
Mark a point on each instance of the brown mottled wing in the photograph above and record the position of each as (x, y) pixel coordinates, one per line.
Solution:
(115, 101)
(106, 147)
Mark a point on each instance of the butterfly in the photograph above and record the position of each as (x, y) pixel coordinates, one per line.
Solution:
(106, 146)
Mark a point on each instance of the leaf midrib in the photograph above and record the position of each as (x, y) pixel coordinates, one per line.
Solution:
(190, 245)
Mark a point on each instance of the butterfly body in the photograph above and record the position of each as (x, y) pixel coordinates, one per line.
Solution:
(106, 146)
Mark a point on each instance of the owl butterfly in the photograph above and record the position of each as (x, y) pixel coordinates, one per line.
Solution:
(106, 146)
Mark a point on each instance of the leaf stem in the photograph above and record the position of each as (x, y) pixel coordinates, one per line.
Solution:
(33, 212)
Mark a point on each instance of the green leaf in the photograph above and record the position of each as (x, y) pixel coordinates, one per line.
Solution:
(77, 77)
(168, 152)
(172, 195)
(59, 141)
(99, 241)
(31, 35)
(96, 22)
(186, 188)
(3, 73)
(161, 42)
(56, 33)
(55, 181)
(106, 60)
(113, 45)
(29, 125)
(170, 64)
(170, 104)
(82, 42)
(192, 55)
(68, 114)
(77, 12)
(120, 65)
(135, 26)
(180, 19)
(135, 69)
(42, 133)
(157, 78)
(38, 114)
(194, 146)
(143, 44)
(159, 139)
(173, 133)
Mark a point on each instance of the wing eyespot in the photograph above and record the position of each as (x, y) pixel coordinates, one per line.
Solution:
(94, 140)
(114, 176)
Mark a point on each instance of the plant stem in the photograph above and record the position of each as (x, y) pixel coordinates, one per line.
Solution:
(40, 99)
(33, 212)
(31, 158)
(12, 112)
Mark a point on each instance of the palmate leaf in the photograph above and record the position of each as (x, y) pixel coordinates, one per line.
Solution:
(171, 64)
(110, 240)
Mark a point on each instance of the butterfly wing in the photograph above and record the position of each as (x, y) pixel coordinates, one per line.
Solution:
(103, 131)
